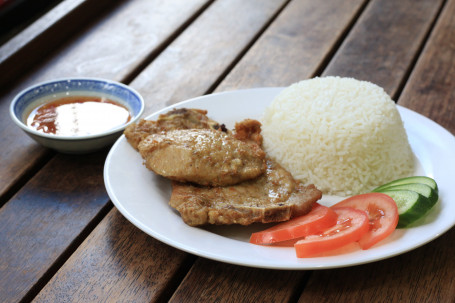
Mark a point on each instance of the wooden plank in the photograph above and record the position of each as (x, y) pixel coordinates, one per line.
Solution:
(112, 48)
(122, 41)
(295, 46)
(210, 281)
(120, 263)
(37, 28)
(385, 59)
(45, 218)
(17, 15)
(423, 275)
(430, 89)
(48, 32)
(203, 55)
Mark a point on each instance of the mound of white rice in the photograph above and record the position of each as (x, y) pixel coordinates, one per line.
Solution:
(344, 135)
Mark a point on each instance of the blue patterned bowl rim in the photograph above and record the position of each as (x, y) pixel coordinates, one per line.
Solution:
(122, 93)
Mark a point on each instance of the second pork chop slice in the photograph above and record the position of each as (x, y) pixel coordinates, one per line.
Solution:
(275, 196)
(203, 156)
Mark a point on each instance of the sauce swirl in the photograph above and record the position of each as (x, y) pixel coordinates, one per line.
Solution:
(78, 116)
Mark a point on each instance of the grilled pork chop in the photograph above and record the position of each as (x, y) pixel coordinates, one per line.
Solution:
(273, 197)
(203, 156)
(182, 118)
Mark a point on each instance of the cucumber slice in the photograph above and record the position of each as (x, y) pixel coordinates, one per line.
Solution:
(420, 188)
(416, 179)
(411, 205)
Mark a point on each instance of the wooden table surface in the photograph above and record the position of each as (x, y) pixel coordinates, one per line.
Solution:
(61, 238)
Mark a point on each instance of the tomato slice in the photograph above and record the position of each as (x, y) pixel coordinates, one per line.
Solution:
(382, 212)
(351, 225)
(317, 220)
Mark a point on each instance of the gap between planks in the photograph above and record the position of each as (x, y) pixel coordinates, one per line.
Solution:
(39, 285)
(413, 63)
(241, 54)
(325, 62)
(152, 56)
(24, 178)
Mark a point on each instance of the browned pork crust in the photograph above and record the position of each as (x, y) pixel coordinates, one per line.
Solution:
(182, 118)
(273, 197)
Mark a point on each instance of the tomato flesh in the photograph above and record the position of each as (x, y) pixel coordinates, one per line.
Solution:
(382, 212)
(317, 220)
(351, 226)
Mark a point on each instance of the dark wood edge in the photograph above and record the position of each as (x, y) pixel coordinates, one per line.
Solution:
(47, 33)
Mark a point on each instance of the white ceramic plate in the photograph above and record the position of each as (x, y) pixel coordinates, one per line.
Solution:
(142, 197)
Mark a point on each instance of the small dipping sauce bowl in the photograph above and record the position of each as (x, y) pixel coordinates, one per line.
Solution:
(44, 93)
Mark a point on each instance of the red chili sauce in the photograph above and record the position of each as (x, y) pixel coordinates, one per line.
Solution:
(78, 116)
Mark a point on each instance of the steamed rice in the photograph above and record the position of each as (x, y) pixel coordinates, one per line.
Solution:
(344, 135)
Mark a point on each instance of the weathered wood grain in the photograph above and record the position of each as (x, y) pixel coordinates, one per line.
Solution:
(48, 32)
(295, 46)
(430, 89)
(117, 263)
(45, 218)
(385, 58)
(204, 51)
(210, 281)
(111, 47)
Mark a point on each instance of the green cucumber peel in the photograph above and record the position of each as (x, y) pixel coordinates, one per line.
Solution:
(409, 180)
(420, 188)
(411, 205)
